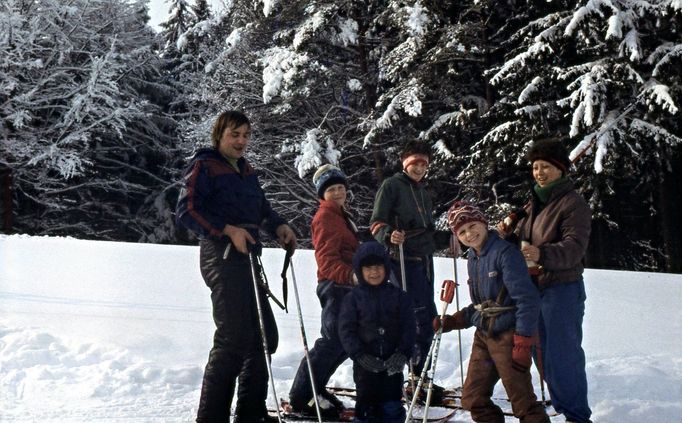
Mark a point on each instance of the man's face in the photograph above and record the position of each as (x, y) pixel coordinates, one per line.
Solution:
(374, 274)
(234, 141)
(473, 235)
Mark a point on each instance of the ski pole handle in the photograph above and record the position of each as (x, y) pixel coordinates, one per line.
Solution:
(447, 291)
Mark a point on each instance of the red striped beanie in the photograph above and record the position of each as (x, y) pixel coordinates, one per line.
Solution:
(461, 213)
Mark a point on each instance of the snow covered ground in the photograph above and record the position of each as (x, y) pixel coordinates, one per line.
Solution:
(105, 331)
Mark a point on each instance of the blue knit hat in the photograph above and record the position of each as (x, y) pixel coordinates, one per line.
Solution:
(326, 176)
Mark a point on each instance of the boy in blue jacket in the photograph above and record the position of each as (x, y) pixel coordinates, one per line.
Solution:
(377, 329)
(505, 311)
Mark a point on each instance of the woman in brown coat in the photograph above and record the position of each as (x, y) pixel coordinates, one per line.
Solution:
(554, 235)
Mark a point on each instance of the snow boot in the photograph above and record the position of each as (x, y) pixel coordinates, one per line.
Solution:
(437, 394)
(328, 408)
(334, 400)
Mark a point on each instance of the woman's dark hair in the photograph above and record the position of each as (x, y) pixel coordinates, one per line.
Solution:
(416, 147)
(551, 150)
(229, 119)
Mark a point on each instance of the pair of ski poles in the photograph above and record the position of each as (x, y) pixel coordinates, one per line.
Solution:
(448, 291)
(261, 322)
(447, 294)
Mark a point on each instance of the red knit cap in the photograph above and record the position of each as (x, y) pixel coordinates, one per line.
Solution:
(415, 158)
(461, 213)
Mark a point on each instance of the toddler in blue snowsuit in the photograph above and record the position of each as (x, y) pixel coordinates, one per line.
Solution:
(377, 329)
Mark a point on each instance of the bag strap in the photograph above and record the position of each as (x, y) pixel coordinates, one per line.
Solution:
(285, 267)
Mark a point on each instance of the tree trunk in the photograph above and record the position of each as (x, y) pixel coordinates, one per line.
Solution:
(670, 198)
(595, 257)
(5, 200)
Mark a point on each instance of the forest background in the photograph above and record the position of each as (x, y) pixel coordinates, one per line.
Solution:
(99, 112)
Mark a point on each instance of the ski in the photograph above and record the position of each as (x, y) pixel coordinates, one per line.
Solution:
(350, 392)
(448, 394)
(444, 415)
(451, 400)
(457, 405)
(289, 414)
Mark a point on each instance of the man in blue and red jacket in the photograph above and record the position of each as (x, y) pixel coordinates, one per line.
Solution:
(223, 203)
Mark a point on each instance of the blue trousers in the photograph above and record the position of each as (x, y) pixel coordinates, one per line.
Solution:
(419, 279)
(378, 396)
(327, 354)
(561, 335)
(387, 412)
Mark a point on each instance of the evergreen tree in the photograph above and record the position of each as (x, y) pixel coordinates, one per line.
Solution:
(180, 18)
(201, 10)
(81, 120)
(342, 82)
(602, 72)
(350, 82)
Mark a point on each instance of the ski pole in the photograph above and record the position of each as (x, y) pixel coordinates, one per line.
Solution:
(446, 294)
(261, 324)
(305, 339)
(415, 392)
(541, 370)
(456, 252)
(403, 277)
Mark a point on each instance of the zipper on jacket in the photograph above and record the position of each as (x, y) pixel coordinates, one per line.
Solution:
(374, 292)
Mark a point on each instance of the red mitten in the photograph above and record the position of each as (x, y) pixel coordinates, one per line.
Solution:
(521, 353)
(455, 321)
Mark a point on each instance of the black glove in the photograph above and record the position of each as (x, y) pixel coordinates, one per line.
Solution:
(371, 363)
(395, 363)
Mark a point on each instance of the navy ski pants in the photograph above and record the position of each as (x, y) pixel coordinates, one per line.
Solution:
(561, 335)
(419, 280)
(327, 354)
(237, 352)
(378, 399)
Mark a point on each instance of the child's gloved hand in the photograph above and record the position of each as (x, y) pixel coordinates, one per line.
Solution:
(371, 363)
(450, 322)
(395, 363)
(521, 353)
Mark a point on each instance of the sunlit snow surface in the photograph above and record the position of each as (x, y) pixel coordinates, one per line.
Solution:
(105, 331)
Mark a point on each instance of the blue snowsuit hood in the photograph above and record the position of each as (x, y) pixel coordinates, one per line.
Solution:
(371, 248)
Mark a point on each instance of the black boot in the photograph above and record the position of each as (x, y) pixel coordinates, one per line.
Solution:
(333, 399)
(437, 392)
(328, 409)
